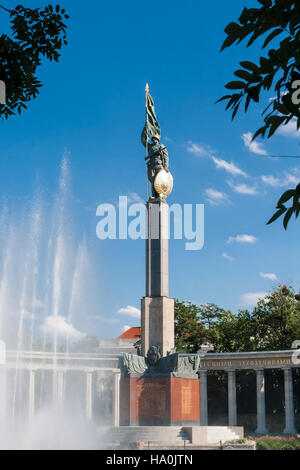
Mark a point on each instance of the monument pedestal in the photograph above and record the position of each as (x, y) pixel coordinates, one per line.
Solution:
(159, 401)
(158, 387)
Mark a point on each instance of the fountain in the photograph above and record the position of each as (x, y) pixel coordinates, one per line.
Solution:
(41, 273)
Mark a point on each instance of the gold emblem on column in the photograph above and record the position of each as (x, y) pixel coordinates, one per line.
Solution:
(163, 183)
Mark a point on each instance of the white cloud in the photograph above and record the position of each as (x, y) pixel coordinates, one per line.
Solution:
(242, 239)
(290, 129)
(291, 179)
(229, 167)
(226, 256)
(131, 199)
(134, 197)
(216, 198)
(253, 146)
(251, 298)
(200, 150)
(125, 328)
(243, 188)
(288, 179)
(59, 326)
(270, 276)
(271, 180)
(130, 311)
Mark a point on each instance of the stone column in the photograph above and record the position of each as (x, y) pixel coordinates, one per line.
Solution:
(89, 395)
(232, 410)
(60, 387)
(260, 402)
(157, 249)
(3, 392)
(157, 309)
(31, 407)
(203, 398)
(116, 399)
(289, 402)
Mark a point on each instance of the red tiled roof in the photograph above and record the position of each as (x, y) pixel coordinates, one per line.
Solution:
(131, 333)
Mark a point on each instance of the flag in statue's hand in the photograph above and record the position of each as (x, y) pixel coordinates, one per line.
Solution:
(152, 126)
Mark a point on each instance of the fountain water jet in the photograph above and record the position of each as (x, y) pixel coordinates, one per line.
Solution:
(41, 271)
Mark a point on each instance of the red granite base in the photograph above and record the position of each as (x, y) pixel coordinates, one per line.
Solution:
(159, 401)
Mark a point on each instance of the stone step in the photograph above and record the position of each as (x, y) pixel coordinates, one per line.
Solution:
(146, 434)
(167, 435)
(221, 434)
(214, 434)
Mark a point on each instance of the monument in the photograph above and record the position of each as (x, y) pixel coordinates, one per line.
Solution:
(158, 386)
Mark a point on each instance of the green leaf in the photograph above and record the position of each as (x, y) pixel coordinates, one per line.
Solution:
(249, 65)
(286, 196)
(225, 97)
(231, 28)
(234, 85)
(271, 36)
(275, 121)
(287, 217)
(276, 215)
(234, 112)
(244, 75)
(253, 92)
(261, 131)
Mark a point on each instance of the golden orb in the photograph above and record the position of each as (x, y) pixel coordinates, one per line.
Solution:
(163, 183)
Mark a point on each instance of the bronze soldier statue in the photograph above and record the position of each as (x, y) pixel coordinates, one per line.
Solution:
(157, 158)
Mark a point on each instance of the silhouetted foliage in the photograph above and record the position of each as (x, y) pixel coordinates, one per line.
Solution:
(35, 33)
(276, 72)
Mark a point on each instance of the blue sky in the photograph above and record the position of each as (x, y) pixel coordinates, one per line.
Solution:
(92, 105)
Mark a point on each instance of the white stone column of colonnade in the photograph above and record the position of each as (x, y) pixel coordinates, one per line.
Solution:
(89, 394)
(289, 402)
(31, 407)
(232, 409)
(203, 398)
(60, 386)
(3, 392)
(260, 402)
(116, 399)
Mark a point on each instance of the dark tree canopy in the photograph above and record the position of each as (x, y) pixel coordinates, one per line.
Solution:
(35, 33)
(276, 23)
(273, 324)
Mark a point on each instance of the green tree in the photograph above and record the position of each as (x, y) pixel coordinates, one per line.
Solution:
(211, 325)
(277, 320)
(35, 33)
(277, 22)
(190, 332)
(232, 332)
(273, 324)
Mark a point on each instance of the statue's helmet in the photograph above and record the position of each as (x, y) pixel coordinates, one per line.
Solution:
(156, 136)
